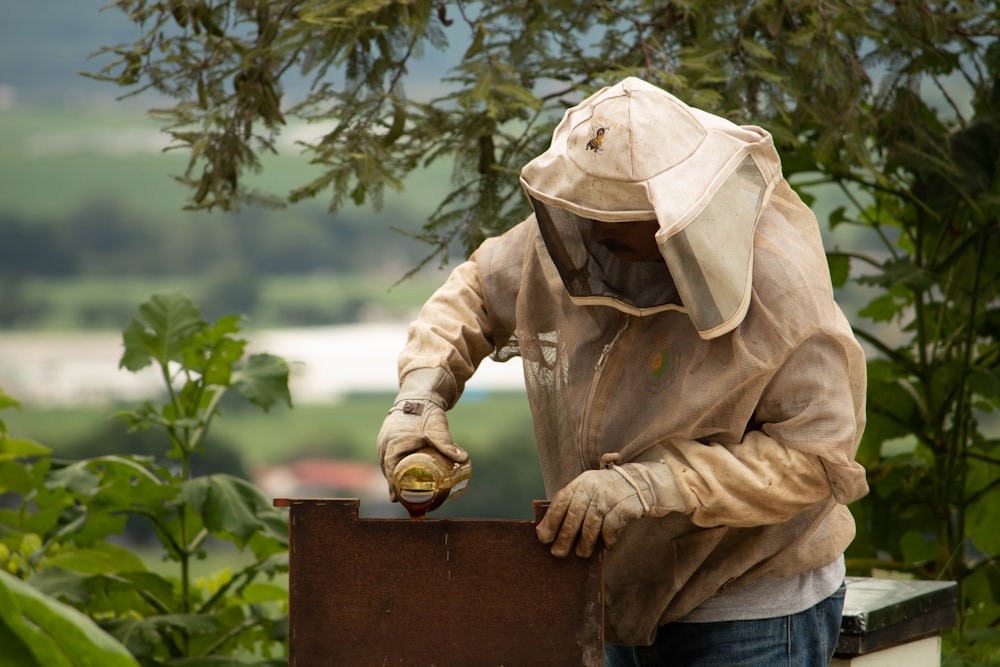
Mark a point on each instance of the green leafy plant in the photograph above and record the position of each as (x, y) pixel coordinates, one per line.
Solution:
(932, 445)
(60, 540)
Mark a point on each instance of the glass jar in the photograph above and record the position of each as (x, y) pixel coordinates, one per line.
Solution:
(425, 479)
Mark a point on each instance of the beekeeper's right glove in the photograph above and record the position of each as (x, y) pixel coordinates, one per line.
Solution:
(600, 503)
(417, 420)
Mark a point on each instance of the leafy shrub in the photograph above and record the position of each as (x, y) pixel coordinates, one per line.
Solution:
(57, 538)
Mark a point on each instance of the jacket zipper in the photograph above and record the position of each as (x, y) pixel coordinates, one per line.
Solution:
(601, 361)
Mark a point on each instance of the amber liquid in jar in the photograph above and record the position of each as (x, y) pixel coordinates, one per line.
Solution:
(424, 480)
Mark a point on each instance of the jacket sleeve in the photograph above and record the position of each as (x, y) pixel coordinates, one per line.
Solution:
(798, 454)
(452, 331)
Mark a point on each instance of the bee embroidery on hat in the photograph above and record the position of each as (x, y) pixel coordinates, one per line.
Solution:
(595, 141)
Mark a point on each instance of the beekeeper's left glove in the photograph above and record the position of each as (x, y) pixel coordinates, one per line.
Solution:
(599, 503)
(417, 420)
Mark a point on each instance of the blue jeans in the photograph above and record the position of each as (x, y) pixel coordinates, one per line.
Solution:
(806, 639)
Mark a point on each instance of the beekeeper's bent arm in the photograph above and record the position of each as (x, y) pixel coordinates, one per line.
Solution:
(452, 332)
(799, 453)
(444, 346)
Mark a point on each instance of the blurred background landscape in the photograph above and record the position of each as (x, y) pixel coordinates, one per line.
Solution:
(92, 224)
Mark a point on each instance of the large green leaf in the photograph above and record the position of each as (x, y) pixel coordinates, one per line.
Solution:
(76, 478)
(17, 448)
(213, 352)
(889, 305)
(840, 268)
(219, 364)
(69, 587)
(257, 593)
(101, 493)
(138, 593)
(14, 477)
(144, 636)
(271, 542)
(15, 652)
(119, 482)
(229, 505)
(54, 634)
(15, 474)
(264, 381)
(161, 332)
(100, 557)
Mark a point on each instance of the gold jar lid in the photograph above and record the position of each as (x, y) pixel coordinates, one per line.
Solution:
(416, 484)
(424, 480)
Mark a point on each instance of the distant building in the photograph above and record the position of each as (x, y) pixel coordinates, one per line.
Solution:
(81, 368)
(329, 478)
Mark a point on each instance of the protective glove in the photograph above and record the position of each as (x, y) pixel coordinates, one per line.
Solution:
(417, 420)
(599, 503)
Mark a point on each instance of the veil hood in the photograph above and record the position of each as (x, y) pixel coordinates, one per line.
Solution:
(635, 152)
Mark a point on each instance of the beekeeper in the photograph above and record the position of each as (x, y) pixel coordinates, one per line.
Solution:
(697, 394)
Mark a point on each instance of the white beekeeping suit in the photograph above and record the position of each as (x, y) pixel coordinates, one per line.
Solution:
(706, 406)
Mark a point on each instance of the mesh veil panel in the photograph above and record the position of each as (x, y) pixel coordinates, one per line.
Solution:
(591, 271)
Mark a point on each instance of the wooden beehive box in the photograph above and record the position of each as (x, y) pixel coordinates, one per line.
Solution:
(435, 592)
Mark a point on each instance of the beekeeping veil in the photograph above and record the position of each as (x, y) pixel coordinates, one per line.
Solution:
(634, 152)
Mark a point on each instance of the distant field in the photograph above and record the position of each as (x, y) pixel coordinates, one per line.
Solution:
(53, 162)
(347, 429)
(55, 159)
(105, 302)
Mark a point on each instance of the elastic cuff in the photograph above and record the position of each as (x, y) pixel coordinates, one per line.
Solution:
(429, 384)
(635, 485)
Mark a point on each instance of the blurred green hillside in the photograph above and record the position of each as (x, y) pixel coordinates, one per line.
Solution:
(91, 224)
(87, 202)
(91, 221)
